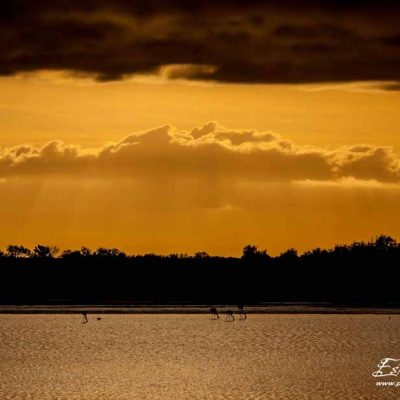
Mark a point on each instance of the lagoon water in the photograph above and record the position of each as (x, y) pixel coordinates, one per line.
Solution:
(173, 357)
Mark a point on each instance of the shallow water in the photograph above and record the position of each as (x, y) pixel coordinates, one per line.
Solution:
(191, 357)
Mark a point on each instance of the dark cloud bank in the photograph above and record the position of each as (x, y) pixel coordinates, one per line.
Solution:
(243, 41)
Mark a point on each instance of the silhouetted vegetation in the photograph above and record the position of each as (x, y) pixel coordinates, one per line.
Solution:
(366, 273)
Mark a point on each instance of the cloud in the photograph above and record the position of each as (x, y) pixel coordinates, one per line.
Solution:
(347, 183)
(209, 153)
(354, 87)
(392, 86)
(254, 41)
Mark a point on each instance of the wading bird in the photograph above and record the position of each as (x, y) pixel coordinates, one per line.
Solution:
(242, 312)
(229, 316)
(85, 319)
(214, 313)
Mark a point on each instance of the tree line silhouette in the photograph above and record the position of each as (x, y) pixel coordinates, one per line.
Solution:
(364, 273)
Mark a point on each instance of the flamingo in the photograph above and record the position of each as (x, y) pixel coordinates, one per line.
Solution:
(229, 316)
(242, 312)
(85, 318)
(214, 313)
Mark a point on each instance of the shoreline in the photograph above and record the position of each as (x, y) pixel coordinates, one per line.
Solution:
(198, 309)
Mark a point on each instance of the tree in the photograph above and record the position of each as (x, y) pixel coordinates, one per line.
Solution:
(249, 251)
(201, 255)
(384, 242)
(70, 254)
(18, 251)
(41, 251)
(103, 252)
(289, 255)
(251, 254)
(85, 252)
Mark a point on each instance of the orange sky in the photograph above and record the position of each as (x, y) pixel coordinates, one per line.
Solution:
(282, 167)
(38, 107)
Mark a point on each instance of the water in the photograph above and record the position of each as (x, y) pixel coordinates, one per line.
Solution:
(191, 357)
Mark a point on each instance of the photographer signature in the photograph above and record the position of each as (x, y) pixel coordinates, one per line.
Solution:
(387, 367)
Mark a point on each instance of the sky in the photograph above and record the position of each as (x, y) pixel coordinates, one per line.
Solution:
(181, 126)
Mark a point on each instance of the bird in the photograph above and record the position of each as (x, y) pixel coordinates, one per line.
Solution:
(242, 312)
(229, 316)
(214, 313)
(85, 318)
(98, 318)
